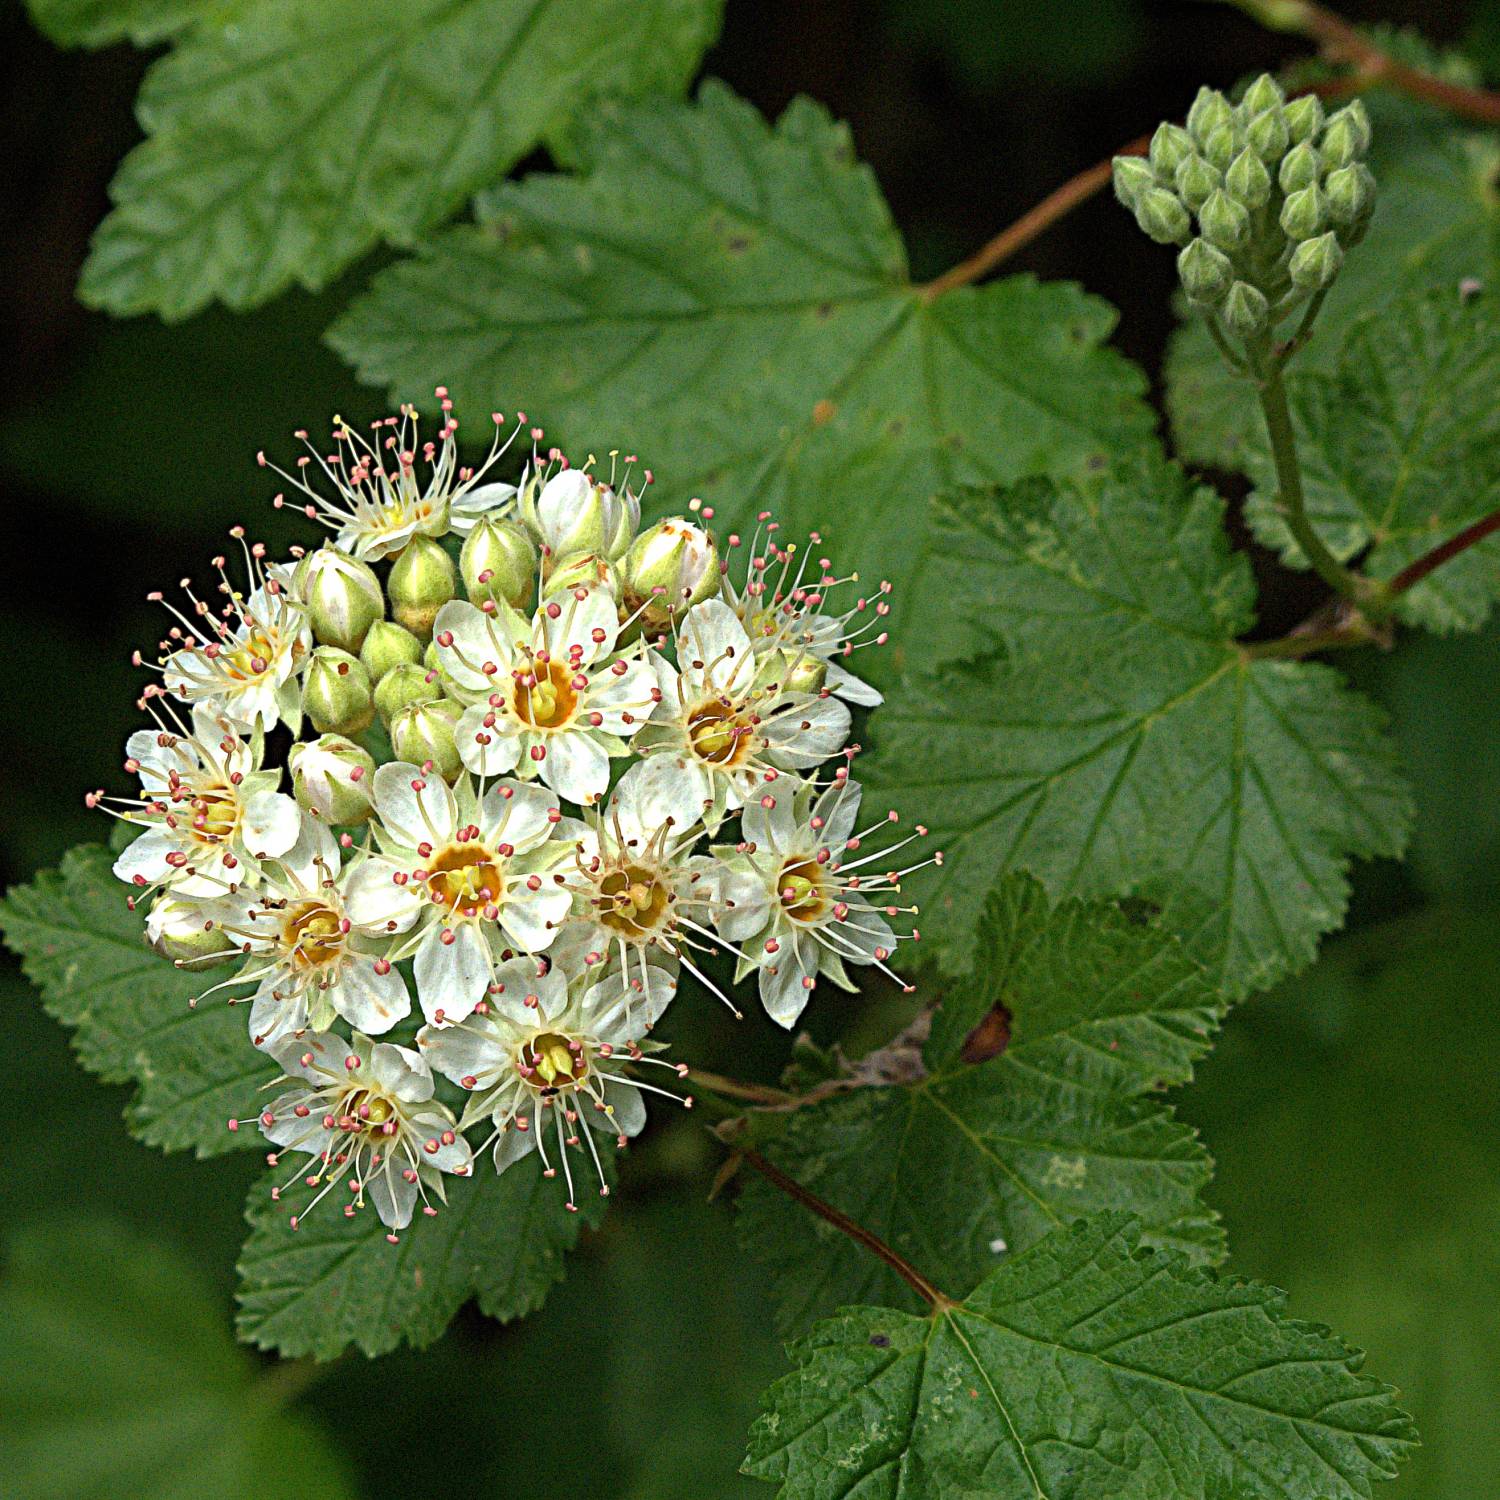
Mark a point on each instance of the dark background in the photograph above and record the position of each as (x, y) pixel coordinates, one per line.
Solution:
(127, 449)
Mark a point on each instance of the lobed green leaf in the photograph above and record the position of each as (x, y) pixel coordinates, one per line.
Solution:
(1086, 1366)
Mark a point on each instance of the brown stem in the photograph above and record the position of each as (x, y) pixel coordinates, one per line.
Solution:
(1346, 43)
(1414, 573)
(842, 1222)
(1032, 223)
(732, 1088)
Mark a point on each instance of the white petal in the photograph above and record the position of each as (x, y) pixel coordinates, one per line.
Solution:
(744, 903)
(856, 938)
(651, 794)
(474, 1050)
(146, 857)
(576, 767)
(272, 1019)
(850, 688)
(456, 1156)
(533, 918)
(512, 1146)
(375, 903)
(615, 1011)
(623, 700)
(414, 817)
(469, 639)
(774, 829)
(325, 1053)
(369, 1001)
(294, 1132)
(487, 750)
(782, 990)
(401, 1072)
(313, 858)
(713, 650)
(571, 637)
(838, 807)
(468, 509)
(625, 1112)
(805, 730)
(517, 814)
(391, 1195)
(525, 998)
(451, 977)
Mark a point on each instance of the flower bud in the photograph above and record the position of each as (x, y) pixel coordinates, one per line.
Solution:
(1170, 146)
(1350, 193)
(1206, 273)
(1163, 217)
(424, 732)
(626, 527)
(582, 570)
(1304, 118)
(402, 686)
(422, 581)
(1245, 309)
(1221, 147)
(1223, 222)
(178, 930)
(1196, 181)
(387, 646)
(1265, 93)
(1267, 134)
(1132, 177)
(668, 569)
(1304, 213)
(499, 562)
(1346, 136)
(1210, 110)
(333, 778)
(1247, 180)
(573, 512)
(342, 595)
(1299, 168)
(336, 693)
(1315, 263)
(793, 671)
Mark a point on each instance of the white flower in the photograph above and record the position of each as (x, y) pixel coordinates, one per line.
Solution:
(381, 500)
(468, 879)
(785, 613)
(803, 889)
(550, 700)
(366, 1112)
(242, 664)
(724, 727)
(572, 512)
(211, 814)
(641, 896)
(546, 1053)
(311, 960)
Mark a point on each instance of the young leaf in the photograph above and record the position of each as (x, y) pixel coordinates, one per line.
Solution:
(1400, 447)
(1119, 741)
(1436, 224)
(704, 250)
(1084, 1367)
(284, 145)
(972, 1162)
(337, 1281)
(118, 1377)
(83, 949)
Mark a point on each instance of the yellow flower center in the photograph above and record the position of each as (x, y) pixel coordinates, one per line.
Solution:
(800, 888)
(465, 876)
(548, 1063)
(550, 700)
(632, 901)
(718, 734)
(312, 932)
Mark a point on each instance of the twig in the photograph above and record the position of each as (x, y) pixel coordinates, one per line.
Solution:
(733, 1088)
(1413, 573)
(1033, 222)
(845, 1225)
(1344, 42)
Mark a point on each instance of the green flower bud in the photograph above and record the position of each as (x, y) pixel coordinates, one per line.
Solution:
(1223, 222)
(1206, 273)
(1355, 119)
(423, 733)
(499, 562)
(404, 685)
(574, 512)
(1221, 147)
(178, 930)
(792, 671)
(1299, 168)
(1315, 263)
(582, 570)
(342, 595)
(1196, 181)
(1163, 217)
(387, 646)
(1304, 213)
(1170, 147)
(1132, 177)
(336, 693)
(1210, 110)
(333, 778)
(1350, 193)
(1245, 309)
(1265, 93)
(1304, 118)
(1247, 180)
(1268, 135)
(422, 581)
(668, 569)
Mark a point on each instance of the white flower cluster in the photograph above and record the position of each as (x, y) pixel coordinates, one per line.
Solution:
(539, 764)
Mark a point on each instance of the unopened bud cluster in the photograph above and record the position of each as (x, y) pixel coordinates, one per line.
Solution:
(1264, 197)
(539, 761)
